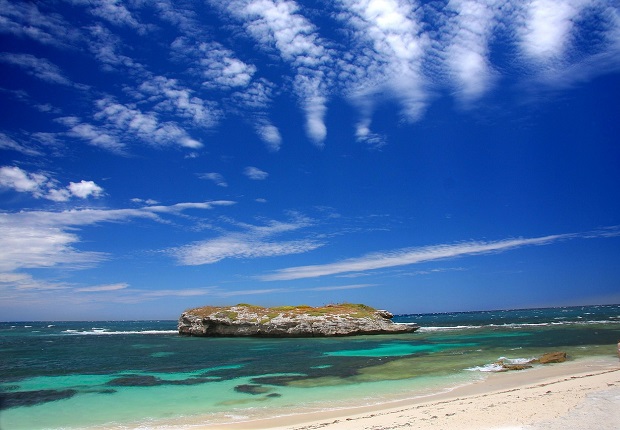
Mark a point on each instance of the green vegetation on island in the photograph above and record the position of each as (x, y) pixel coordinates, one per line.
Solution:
(354, 310)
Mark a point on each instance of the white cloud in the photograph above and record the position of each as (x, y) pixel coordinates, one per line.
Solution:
(280, 26)
(44, 239)
(38, 67)
(28, 246)
(114, 12)
(215, 177)
(548, 27)
(241, 246)
(25, 284)
(41, 186)
(408, 256)
(467, 52)
(549, 44)
(179, 207)
(21, 181)
(25, 19)
(389, 52)
(106, 46)
(147, 201)
(221, 69)
(102, 288)
(94, 135)
(180, 101)
(253, 242)
(255, 173)
(7, 143)
(84, 189)
(270, 134)
(120, 120)
(255, 99)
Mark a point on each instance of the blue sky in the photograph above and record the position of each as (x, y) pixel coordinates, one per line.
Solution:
(415, 156)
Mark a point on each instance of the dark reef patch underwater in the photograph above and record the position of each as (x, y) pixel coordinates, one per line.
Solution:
(130, 373)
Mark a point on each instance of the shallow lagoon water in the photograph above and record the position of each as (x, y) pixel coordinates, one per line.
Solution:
(132, 374)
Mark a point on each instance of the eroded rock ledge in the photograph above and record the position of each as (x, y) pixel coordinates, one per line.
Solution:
(289, 321)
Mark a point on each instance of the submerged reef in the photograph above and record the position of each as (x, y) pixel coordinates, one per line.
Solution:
(289, 321)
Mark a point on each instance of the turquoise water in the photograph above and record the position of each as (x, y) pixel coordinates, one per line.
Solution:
(142, 374)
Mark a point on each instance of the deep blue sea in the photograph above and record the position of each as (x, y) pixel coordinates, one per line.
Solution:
(142, 374)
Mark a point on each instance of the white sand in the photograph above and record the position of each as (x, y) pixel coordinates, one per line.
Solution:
(582, 395)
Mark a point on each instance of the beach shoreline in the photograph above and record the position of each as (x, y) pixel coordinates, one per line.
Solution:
(541, 396)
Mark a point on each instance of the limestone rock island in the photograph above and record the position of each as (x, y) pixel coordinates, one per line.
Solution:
(289, 321)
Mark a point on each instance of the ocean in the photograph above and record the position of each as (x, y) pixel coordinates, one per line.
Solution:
(142, 374)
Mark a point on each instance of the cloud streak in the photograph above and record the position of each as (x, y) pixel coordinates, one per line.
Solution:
(254, 241)
(44, 239)
(255, 173)
(40, 68)
(409, 256)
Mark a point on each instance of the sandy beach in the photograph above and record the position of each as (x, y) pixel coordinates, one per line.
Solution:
(583, 394)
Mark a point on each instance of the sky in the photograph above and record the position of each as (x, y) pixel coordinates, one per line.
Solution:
(416, 156)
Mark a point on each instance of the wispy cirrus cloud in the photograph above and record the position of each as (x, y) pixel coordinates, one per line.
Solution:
(40, 68)
(220, 70)
(107, 48)
(255, 173)
(147, 126)
(281, 27)
(118, 123)
(252, 241)
(254, 100)
(409, 256)
(6, 142)
(44, 239)
(25, 19)
(113, 12)
(95, 135)
(216, 178)
(101, 288)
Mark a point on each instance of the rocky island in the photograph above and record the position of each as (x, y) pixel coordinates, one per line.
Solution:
(289, 321)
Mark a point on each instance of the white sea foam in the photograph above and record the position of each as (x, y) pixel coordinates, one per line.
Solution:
(497, 366)
(516, 325)
(104, 332)
(493, 367)
(449, 328)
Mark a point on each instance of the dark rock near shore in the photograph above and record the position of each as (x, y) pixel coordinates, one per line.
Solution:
(507, 367)
(547, 358)
(552, 357)
(289, 321)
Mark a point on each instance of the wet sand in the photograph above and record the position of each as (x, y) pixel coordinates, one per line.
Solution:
(583, 394)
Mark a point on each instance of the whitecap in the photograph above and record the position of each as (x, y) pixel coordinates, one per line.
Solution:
(102, 332)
